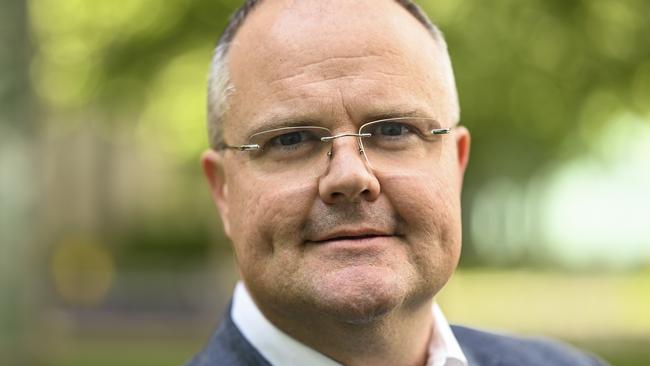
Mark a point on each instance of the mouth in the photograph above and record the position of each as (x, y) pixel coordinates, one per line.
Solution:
(351, 236)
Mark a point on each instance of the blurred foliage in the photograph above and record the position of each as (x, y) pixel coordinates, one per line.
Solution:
(538, 83)
(148, 247)
(14, 213)
(545, 76)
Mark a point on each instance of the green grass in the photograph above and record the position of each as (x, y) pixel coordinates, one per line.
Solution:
(620, 352)
(115, 352)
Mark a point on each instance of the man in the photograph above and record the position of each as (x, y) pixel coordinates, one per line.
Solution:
(336, 165)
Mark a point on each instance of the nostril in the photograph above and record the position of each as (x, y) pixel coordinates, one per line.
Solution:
(339, 197)
(350, 196)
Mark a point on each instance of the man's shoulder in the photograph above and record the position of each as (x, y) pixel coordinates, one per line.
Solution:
(484, 348)
(228, 347)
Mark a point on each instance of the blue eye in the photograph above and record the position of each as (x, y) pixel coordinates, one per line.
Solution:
(292, 138)
(393, 129)
(286, 142)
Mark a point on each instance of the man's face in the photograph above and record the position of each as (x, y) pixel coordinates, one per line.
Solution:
(350, 242)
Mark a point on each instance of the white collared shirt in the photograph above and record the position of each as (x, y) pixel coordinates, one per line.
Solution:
(280, 349)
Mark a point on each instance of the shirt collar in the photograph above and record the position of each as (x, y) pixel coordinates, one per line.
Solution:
(279, 348)
(444, 349)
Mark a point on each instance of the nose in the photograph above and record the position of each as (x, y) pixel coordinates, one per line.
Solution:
(348, 178)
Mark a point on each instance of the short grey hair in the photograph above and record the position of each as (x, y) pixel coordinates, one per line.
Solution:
(220, 87)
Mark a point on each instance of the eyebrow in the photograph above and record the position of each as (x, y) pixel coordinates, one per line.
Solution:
(395, 113)
(279, 121)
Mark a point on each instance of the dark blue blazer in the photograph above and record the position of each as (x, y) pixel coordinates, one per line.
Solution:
(229, 347)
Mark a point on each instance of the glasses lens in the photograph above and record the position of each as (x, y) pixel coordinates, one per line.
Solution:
(291, 149)
(401, 143)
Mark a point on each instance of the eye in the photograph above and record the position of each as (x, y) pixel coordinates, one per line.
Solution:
(392, 129)
(391, 135)
(291, 139)
(286, 144)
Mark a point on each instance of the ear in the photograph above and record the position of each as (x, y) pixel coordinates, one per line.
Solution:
(463, 140)
(213, 169)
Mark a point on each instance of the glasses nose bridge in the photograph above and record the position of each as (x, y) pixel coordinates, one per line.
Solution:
(357, 136)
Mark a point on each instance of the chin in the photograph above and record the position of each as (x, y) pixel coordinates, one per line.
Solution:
(360, 294)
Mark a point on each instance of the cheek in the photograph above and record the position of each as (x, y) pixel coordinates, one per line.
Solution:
(266, 216)
(428, 203)
(429, 206)
(429, 196)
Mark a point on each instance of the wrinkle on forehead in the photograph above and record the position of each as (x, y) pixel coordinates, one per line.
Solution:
(337, 64)
(305, 78)
(274, 65)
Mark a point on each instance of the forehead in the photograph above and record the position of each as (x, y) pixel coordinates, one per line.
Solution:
(332, 59)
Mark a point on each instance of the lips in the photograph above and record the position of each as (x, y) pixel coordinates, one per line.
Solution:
(358, 234)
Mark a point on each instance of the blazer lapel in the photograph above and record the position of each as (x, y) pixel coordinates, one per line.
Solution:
(228, 347)
(478, 350)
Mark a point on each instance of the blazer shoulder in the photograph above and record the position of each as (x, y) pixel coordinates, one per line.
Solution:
(486, 348)
(228, 347)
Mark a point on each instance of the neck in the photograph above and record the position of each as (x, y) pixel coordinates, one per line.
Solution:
(400, 337)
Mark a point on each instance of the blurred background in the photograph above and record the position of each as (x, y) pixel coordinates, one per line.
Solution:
(111, 252)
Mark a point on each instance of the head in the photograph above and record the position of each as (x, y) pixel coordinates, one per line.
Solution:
(352, 242)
